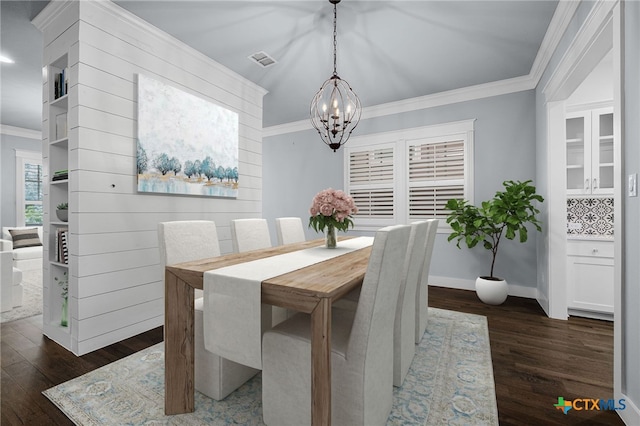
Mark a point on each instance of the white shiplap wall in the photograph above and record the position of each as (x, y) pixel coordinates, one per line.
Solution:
(116, 286)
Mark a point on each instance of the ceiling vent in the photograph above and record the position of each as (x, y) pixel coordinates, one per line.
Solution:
(262, 59)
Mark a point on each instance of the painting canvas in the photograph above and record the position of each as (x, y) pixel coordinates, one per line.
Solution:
(186, 145)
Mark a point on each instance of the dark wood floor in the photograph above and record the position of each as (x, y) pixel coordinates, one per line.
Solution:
(535, 360)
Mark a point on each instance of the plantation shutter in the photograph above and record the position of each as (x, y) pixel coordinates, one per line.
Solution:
(436, 173)
(409, 174)
(371, 182)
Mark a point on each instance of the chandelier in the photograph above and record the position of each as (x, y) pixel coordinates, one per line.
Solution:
(335, 109)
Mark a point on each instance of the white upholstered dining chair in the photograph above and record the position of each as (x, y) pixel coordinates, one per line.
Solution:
(422, 290)
(183, 241)
(289, 230)
(361, 351)
(404, 328)
(250, 234)
(253, 234)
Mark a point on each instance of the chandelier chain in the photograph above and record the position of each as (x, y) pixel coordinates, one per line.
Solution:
(335, 38)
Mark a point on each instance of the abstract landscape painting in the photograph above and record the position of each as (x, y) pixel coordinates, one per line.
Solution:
(186, 145)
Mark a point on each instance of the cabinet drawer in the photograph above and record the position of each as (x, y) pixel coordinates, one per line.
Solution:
(590, 248)
(590, 284)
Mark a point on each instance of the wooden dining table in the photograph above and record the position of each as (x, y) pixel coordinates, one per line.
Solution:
(312, 289)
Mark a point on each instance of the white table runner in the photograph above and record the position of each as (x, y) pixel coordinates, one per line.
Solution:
(233, 323)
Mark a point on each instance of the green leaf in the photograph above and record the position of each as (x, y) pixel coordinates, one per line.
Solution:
(523, 234)
(510, 234)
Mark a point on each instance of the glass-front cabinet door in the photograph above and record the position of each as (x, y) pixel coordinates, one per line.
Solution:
(602, 151)
(578, 153)
(589, 149)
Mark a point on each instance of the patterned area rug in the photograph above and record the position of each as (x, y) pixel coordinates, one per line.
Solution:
(31, 297)
(450, 383)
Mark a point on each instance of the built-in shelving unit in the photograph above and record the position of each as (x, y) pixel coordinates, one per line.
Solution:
(57, 165)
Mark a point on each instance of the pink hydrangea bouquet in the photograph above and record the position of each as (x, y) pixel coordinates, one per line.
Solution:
(331, 207)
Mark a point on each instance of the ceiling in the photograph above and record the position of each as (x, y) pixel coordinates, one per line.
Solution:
(387, 50)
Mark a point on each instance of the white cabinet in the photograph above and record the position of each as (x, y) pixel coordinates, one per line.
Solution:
(590, 278)
(589, 144)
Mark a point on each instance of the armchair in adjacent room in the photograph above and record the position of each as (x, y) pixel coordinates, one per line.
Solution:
(11, 289)
(25, 243)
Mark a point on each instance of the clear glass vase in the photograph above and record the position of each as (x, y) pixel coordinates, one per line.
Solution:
(331, 236)
(64, 320)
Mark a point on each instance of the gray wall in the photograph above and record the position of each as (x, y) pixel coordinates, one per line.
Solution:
(297, 165)
(631, 155)
(8, 146)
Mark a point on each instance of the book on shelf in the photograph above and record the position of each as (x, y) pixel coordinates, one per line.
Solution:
(64, 255)
(60, 175)
(62, 252)
(60, 83)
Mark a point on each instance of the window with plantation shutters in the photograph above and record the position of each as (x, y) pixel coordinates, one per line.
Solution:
(408, 175)
(371, 181)
(436, 173)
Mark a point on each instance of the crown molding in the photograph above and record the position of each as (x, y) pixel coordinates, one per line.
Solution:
(50, 13)
(588, 38)
(557, 27)
(502, 87)
(291, 127)
(20, 132)
(465, 94)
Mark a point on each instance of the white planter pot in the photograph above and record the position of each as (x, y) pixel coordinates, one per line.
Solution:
(63, 215)
(492, 291)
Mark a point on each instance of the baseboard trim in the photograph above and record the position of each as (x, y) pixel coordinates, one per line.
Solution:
(517, 290)
(591, 314)
(631, 414)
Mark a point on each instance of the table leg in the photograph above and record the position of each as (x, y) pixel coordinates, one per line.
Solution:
(321, 363)
(178, 346)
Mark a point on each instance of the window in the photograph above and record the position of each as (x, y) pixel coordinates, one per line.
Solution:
(408, 175)
(28, 188)
(436, 174)
(371, 182)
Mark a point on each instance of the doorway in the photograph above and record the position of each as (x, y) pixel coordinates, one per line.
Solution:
(566, 89)
(590, 168)
(601, 33)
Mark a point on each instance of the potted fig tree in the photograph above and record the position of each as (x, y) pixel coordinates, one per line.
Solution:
(507, 214)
